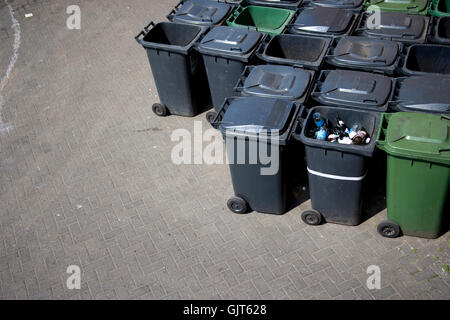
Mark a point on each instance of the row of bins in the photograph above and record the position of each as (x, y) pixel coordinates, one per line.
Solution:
(213, 63)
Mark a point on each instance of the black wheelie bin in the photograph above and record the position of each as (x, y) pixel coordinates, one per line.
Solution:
(177, 68)
(201, 12)
(336, 171)
(427, 59)
(353, 89)
(253, 128)
(226, 51)
(275, 81)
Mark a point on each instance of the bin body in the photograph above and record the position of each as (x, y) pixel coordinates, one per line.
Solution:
(273, 193)
(226, 51)
(336, 172)
(353, 89)
(276, 81)
(419, 7)
(264, 19)
(178, 70)
(439, 8)
(418, 171)
(201, 12)
(427, 59)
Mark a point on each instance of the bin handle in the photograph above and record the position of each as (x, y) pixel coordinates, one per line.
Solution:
(381, 135)
(144, 32)
(262, 46)
(240, 83)
(299, 122)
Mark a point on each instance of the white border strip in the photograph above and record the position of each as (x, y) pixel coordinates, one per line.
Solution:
(334, 177)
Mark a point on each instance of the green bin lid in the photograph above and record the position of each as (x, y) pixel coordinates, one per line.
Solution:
(418, 136)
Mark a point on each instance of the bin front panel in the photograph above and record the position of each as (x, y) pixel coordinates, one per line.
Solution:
(277, 81)
(202, 12)
(417, 196)
(367, 52)
(361, 90)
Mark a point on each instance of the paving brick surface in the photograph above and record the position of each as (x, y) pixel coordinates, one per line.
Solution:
(86, 179)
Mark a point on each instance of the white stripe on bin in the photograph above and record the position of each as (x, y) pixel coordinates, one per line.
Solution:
(332, 176)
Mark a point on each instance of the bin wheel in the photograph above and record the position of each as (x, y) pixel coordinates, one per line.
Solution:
(237, 205)
(313, 218)
(389, 229)
(160, 110)
(210, 116)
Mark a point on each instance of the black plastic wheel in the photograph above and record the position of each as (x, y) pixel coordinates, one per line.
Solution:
(389, 229)
(237, 205)
(313, 218)
(210, 116)
(160, 110)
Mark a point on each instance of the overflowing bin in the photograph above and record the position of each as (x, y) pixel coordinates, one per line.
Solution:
(353, 89)
(201, 12)
(408, 6)
(276, 81)
(396, 26)
(226, 51)
(440, 31)
(253, 128)
(368, 54)
(294, 50)
(324, 21)
(336, 171)
(355, 5)
(285, 4)
(439, 8)
(427, 59)
(418, 173)
(177, 68)
(430, 94)
(264, 19)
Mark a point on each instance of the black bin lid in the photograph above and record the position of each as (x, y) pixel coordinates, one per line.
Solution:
(399, 26)
(277, 81)
(344, 4)
(202, 12)
(366, 51)
(229, 41)
(323, 20)
(354, 88)
(423, 93)
(250, 115)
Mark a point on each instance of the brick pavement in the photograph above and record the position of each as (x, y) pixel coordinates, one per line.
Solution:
(86, 179)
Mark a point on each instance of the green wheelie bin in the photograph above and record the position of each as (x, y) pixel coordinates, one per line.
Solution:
(418, 173)
(439, 8)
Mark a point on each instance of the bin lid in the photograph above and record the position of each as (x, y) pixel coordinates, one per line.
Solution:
(230, 40)
(323, 20)
(423, 93)
(275, 81)
(398, 25)
(419, 136)
(344, 4)
(399, 5)
(366, 51)
(203, 12)
(359, 89)
(250, 115)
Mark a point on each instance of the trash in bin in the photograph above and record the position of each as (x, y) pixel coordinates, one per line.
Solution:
(423, 59)
(396, 26)
(264, 19)
(285, 4)
(226, 51)
(355, 5)
(353, 89)
(408, 6)
(368, 54)
(275, 81)
(430, 94)
(253, 128)
(439, 8)
(418, 173)
(337, 171)
(294, 50)
(200, 12)
(324, 21)
(440, 31)
(177, 68)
